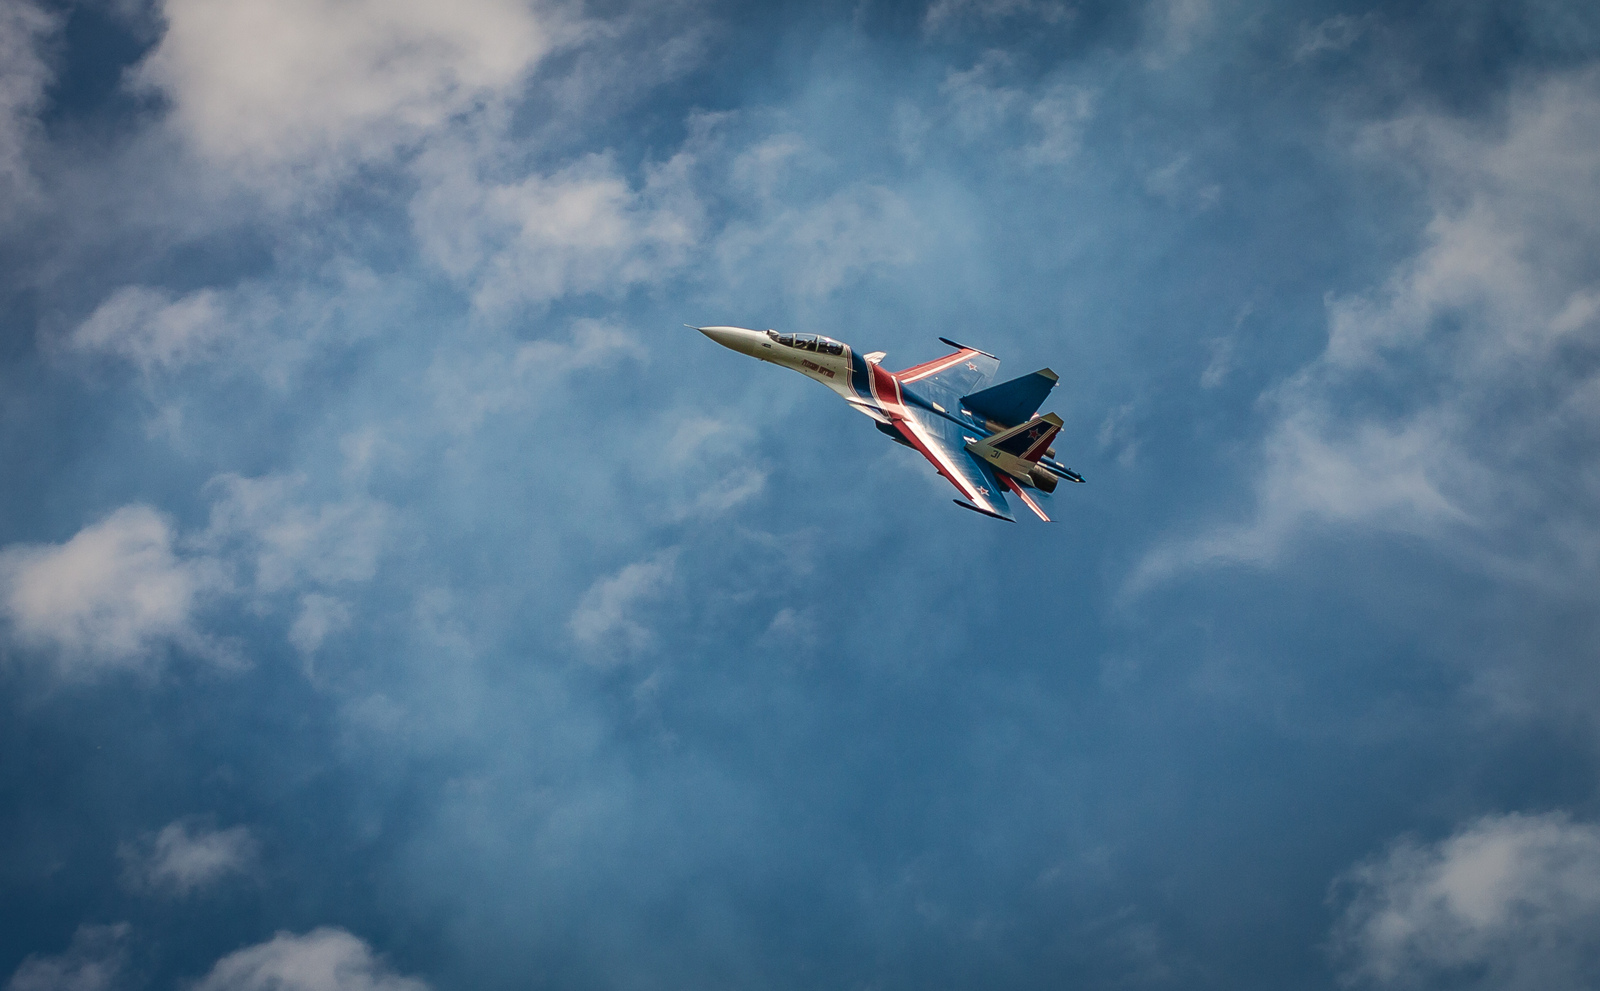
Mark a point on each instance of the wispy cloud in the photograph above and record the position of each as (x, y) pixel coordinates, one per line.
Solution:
(320, 617)
(151, 328)
(607, 619)
(96, 961)
(126, 591)
(113, 596)
(288, 540)
(533, 238)
(24, 76)
(1508, 902)
(1491, 311)
(186, 857)
(325, 959)
(1334, 35)
(287, 94)
(948, 16)
(815, 249)
(504, 376)
(1174, 27)
(273, 330)
(985, 106)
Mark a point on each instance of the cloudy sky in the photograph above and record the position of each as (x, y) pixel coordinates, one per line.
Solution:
(394, 596)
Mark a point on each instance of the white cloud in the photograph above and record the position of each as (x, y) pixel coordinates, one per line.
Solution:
(1173, 27)
(816, 249)
(126, 589)
(93, 962)
(1386, 476)
(513, 239)
(1119, 434)
(978, 103)
(324, 959)
(948, 15)
(151, 329)
(112, 596)
(290, 541)
(533, 238)
(315, 85)
(469, 385)
(793, 629)
(1221, 363)
(185, 857)
(699, 466)
(730, 489)
(1336, 34)
(1508, 902)
(272, 329)
(1222, 351)
(1058, 116)
(1447, 404)
(1050, 118)
(802, 243)
(320, 617)
(606, 616)
(696, 438)
(24, 75)
(1177, 184)
(770, 165)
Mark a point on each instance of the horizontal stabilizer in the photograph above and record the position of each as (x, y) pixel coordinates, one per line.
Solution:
(1014, 401)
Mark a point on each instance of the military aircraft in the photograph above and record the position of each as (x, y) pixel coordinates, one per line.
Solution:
(984, 440)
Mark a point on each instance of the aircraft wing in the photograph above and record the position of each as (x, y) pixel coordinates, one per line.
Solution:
(945, 380)
(944, 445)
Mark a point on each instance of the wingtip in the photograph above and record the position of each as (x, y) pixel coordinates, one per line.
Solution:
(965, 347)
(981, 511)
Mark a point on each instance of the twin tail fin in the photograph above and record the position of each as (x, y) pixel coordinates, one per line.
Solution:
(1015, 401)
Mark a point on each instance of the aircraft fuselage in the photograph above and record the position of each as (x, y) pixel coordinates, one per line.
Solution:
(942, 418)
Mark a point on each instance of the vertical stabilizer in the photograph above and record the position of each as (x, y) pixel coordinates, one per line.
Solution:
(1017, 451)
(1014, 401)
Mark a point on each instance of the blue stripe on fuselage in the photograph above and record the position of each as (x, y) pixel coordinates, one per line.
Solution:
(860, 377)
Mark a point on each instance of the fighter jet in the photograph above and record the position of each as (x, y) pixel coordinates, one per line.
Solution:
(985, 441)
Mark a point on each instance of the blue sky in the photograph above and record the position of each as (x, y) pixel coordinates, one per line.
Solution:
(394, 595)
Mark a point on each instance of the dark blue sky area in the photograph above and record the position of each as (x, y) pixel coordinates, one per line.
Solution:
(394, 595)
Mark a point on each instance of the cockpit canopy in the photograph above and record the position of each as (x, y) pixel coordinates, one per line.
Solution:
(808, 342)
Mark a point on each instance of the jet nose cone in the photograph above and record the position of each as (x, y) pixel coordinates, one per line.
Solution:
(736, 338)
(722, 335)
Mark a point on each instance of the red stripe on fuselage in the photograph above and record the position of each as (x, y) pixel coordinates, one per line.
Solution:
(933, 367)
(886, 389)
